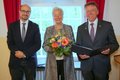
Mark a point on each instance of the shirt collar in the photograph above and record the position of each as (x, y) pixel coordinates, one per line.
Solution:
(95, 21)
(24, 22)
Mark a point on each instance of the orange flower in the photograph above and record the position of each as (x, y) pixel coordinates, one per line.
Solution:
(65, 41)
(54, 45)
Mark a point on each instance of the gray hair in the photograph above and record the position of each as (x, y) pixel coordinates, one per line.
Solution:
(57, 8)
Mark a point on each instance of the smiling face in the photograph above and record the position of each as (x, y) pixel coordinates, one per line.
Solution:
(25, 12)
(91, 12)
(57, 16)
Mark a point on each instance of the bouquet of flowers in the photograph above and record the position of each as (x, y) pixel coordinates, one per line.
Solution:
(60, 45)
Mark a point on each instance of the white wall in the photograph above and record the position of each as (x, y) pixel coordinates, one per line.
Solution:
(4, 52)
(3, 27)
(112, 14)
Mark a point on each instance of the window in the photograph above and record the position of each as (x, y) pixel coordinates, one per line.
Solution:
(42, 15)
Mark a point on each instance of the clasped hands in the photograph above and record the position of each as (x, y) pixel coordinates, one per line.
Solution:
(19, 54)
(84, 56)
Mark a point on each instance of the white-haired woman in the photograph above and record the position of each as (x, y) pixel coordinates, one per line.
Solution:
(58, 68)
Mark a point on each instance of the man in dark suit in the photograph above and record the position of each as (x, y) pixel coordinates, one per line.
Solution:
(23, 41)
(96, 34)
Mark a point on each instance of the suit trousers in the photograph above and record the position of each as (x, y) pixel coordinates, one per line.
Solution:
(90, 75)
(94, 72)
(23, 69)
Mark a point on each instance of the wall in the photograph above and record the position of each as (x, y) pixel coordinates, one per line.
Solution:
(112, 14)
(4, 58)
(4, 52)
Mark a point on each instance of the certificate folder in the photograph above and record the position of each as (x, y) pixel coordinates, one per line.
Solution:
(85, 50)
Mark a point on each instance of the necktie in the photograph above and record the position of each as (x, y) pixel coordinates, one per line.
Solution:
(92, 32)
(23, 32)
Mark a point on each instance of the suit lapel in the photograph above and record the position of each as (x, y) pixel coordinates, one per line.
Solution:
(28, 31)
(98, 31)
(18, 31)
(88, 38)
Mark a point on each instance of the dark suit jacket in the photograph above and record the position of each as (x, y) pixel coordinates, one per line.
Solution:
(104, 37)
(30, 45)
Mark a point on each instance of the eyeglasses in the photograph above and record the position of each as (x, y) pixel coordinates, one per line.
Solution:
(23, 11)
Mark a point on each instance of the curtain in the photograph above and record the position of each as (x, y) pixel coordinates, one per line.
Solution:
(11, 8)
(100, 4)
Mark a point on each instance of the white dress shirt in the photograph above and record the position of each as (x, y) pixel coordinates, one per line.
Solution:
(95, 24)
(21, 25)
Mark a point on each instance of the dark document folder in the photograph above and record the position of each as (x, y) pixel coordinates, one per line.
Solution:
(85, 50)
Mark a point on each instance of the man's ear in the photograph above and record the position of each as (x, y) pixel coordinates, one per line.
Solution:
(97, 12)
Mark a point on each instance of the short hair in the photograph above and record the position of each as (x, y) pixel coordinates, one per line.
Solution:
(91, 3)
(25, 5)
(57, 8)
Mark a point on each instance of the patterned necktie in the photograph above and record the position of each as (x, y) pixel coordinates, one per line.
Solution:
(23, 32)
(92, 32)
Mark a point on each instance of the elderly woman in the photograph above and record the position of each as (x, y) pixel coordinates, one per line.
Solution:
(58, 68)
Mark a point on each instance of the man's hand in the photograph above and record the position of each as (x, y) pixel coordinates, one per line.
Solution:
(107, 51)
(19, 54)
(84, 56)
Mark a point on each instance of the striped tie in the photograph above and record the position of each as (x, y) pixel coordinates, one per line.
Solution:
(23, 32)
(92, 32)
